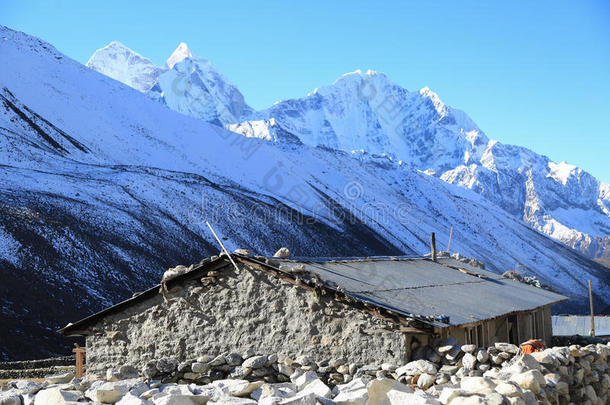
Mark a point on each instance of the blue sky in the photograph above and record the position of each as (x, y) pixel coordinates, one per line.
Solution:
(532, 73)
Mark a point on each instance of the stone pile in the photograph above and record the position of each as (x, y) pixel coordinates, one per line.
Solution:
(445, 374)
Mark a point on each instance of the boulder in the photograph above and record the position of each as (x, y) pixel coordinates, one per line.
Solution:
(237, 388)
(25, 387)
(529, 380)
(307, 399)
(61, 378)
(10, 398)
(109, 392)
(379, 388)
(130, 399)
(122, 373)
(469, 361)
(168, 399)
(282, 253)
(481, 385)
(509, 389)
(482, 356)
(425, 381)
(316, 387)
(415, 398)
(507, 347)
(303, 379)
(255, 362)
(167, 365)
(468, 348)
(354, 397)
(417, 367)
(468, 400)
(56, 396)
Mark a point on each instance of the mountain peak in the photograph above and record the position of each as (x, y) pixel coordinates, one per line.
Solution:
(182, 52)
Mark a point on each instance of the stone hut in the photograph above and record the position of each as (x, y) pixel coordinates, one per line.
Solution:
(367, 310)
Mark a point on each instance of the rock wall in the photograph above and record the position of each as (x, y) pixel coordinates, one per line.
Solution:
(459, 375)
(229, 312)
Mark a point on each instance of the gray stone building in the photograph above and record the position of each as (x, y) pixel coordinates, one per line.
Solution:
(367, 310)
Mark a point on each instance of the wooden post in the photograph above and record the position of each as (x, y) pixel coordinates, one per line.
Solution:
(433, 246)
(80, 356)
(449, 244)
(592, 312)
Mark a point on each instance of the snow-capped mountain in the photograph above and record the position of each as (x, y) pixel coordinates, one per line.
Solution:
(121, 63)
(367, 112)
(103, 188)
(186, 84)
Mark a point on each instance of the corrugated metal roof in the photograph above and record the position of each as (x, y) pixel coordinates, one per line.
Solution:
(423, 288)
(418, 288)
(569, 325)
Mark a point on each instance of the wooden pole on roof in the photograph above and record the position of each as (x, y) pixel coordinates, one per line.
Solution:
(433, 246)
(449, 244)
(222, 246)
(592, 312)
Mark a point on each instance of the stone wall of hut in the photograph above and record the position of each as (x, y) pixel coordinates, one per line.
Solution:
(249, 311)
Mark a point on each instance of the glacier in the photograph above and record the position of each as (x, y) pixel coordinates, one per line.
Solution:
(104, 187)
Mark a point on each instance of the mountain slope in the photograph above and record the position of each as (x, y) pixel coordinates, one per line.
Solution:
(103, 188)
(368, 112)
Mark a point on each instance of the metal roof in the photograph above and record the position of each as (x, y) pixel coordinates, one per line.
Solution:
(427, 289)
(570, 325)
(412, 287)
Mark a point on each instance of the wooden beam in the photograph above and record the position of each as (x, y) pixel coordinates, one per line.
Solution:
(433, 246)
(592, 311)
(80, 356)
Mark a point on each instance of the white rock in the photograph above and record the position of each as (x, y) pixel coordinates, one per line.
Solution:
(507, 347)
(304, 379)
(308, 399)
(416, 398)
(278, 391)
(379, 388)
(417, 367)
(282, 253)
(56, 396)
(353, 385)
(425, 381)
(353, 397)
(166, 399)
(449, 393)
(529, 380)
(148, 394)
(130, 399)
(234, 401)
(109, 392)
(237, 388)
(482, 356)
(10, 398)
(469, 361)
(468, 348)
(24, 387)
(509, 389)
(59, 378)
(480, 385)
(469, 400)
(255, 362)
(316, 387)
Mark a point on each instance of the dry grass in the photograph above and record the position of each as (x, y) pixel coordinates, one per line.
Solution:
(5, 382)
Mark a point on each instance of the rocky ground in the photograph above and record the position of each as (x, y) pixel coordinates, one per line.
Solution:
(450, 374)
